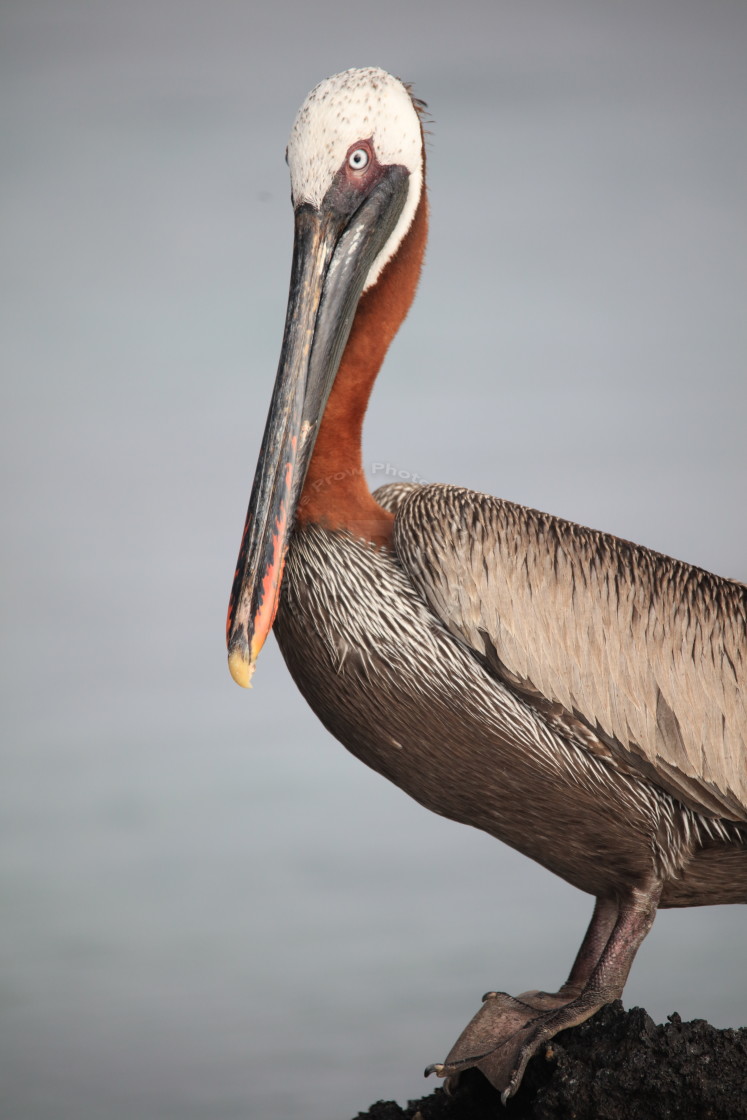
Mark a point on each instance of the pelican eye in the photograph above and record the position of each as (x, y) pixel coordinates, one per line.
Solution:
(358, 159)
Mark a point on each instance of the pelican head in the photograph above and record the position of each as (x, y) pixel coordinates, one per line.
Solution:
(356, 163)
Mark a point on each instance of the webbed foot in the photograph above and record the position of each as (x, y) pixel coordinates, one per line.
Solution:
(506, 1032)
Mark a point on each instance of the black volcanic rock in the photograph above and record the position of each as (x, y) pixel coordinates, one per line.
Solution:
(619, 1065)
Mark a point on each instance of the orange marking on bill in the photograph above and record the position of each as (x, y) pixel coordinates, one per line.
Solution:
(273, 577)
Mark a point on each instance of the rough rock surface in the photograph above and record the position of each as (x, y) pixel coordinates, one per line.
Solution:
(617, 1066)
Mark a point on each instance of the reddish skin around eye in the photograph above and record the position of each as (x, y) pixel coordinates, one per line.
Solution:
(364, 177)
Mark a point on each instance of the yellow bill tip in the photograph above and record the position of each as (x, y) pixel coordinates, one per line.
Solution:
(241, 668)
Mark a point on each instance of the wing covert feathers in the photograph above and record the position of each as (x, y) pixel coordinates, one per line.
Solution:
(641, 657)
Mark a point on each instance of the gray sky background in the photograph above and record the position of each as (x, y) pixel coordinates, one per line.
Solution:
(210, 910)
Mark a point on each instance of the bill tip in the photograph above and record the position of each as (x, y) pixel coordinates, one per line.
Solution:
(241, 668)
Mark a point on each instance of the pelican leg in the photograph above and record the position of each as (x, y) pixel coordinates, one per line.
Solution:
(507, 1031)
(602, 923)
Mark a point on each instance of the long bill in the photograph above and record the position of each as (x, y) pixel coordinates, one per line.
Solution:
(334, 248)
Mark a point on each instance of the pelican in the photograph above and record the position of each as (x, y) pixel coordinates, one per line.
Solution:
(578, 697)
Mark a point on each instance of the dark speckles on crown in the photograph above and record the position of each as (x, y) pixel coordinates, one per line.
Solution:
(341, 110)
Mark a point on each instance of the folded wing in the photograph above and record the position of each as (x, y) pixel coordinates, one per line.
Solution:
(645, 655)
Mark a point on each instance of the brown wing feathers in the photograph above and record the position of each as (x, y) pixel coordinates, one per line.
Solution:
(647, 653)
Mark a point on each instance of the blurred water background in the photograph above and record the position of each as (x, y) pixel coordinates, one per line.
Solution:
(209, 909)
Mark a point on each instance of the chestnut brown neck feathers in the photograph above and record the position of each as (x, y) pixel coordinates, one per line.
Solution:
(336, 494)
